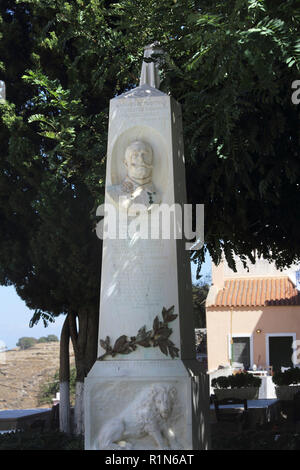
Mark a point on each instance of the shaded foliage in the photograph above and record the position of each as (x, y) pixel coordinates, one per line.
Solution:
(199, 298)
(27, 341)
(243, 379)
(288, 377)
(256, 440)
(33, 440)
(230, 64)
(49, 389)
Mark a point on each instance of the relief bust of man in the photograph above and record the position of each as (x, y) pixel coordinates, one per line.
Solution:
(137, 186)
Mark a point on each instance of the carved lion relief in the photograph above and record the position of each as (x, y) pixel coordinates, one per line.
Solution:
(147, 415)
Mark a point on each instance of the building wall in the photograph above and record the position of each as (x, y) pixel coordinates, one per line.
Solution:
(261, 268)
(270, 320)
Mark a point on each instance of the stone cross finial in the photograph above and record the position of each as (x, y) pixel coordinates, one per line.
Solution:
(150, 70)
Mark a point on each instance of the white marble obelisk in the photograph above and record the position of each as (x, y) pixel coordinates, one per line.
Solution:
(146, 390)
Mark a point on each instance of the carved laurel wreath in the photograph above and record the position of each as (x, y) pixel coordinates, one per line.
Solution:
(158, 336)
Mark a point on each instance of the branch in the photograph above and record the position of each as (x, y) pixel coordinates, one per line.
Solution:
(158, 336)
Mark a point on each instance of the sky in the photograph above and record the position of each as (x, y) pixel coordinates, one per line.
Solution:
(15, 316)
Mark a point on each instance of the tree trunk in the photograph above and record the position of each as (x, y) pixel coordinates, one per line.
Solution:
(79, 408)
(64, 407)
(64, 379)
(85, 342)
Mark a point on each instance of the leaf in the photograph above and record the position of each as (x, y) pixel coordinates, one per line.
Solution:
(49, 134)
(105, 344)
(121, 344)
(37, 117)
(164, 332)
(145, 343)
(164, 314)
(156, 323)
(141, 333)
(172, 317)
(168, 315)
(163, 347)
(173, 351)
(125, 351)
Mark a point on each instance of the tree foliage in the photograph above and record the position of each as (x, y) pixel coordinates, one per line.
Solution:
(48, 339)
(230, 65)
(242, 129)
(49, 389)
(199, 293)
(28, 341)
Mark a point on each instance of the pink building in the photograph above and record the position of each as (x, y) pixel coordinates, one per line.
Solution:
(253, 318)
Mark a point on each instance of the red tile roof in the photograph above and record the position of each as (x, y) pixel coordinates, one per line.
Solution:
(257, 292)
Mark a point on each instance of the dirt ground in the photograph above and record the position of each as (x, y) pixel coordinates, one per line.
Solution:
(23, 372)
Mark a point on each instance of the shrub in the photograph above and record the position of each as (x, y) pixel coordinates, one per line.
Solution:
(255, 440)
(288, 377)
(244, 379)
(220, 382)
(52, 338)
(42, 339)
(33, 440)
(26, 342)
(49, 389)
(47, 339)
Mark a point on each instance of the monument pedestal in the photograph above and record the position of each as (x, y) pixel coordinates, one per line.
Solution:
(149, 405)
(146, 390)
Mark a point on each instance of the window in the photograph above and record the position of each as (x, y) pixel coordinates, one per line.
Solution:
(241, 351)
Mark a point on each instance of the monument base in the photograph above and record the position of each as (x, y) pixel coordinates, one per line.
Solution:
(146, 405)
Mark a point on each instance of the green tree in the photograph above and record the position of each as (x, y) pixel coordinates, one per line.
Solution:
(42, 339)
(54, 128)
(52, 338)
(26, 342)
(230, 64)
(49, 389)
(246, 136)
(199, 293)
(48, 339)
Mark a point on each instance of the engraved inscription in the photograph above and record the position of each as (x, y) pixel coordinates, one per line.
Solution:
(151, 110)
(139, 279)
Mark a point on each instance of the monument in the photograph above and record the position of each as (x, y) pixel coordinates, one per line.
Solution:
(146, 390)
(2, 91)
